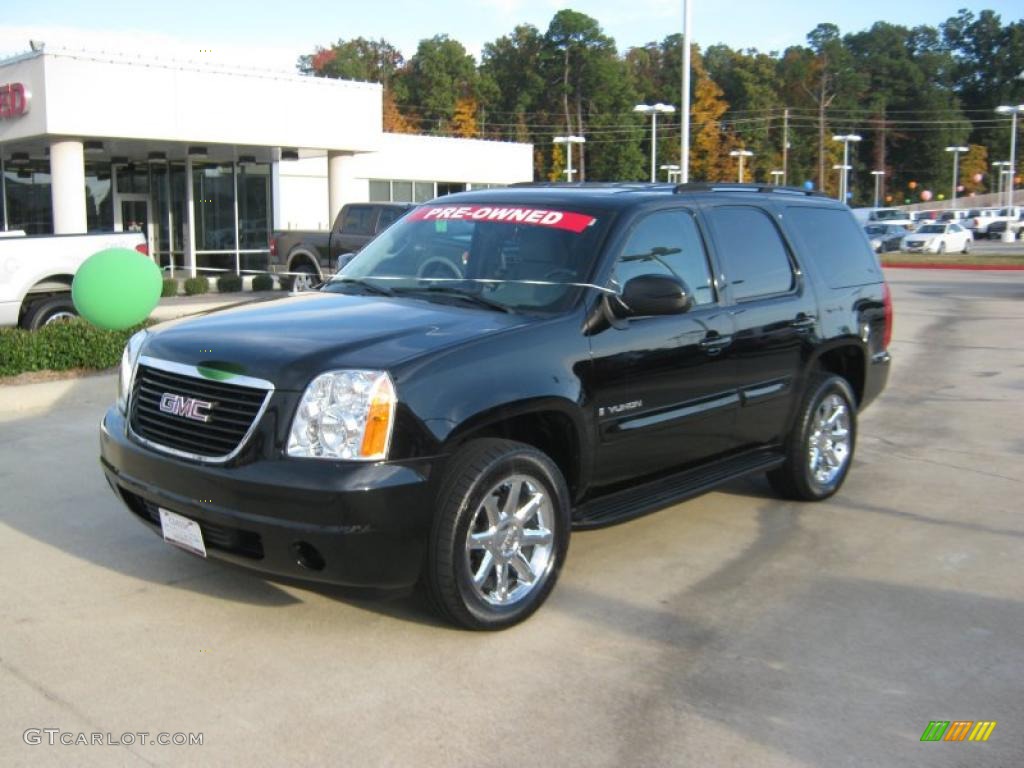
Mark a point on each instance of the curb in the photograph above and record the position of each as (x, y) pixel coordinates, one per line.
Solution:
(971, 267)
(17, 400)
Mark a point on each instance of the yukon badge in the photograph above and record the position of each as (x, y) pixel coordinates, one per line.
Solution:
(188, 407)
(614, 410)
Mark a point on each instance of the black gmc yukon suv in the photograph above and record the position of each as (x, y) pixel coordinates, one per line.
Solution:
(499, 368)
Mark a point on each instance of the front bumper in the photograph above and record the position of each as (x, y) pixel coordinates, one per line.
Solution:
(336, 522)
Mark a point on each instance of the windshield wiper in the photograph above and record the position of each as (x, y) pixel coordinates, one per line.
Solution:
(455, 293)
(379, 290)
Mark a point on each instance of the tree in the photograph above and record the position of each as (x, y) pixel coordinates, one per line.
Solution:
(440, 74)
(464, 119)
(511, 84)
(710, 144)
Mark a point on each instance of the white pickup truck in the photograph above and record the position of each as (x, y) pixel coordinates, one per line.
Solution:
(36, 272)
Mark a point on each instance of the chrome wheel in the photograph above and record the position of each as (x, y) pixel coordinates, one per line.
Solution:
(304, 281)
(510, 541)
(828, 445)
(59, 317)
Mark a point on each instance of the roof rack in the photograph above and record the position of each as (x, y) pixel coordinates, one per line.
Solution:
(726, 186)
(637, 185)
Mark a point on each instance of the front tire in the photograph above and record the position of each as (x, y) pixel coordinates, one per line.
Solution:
(820, 448)
(304, 279)
(500, 534)
(967, 246)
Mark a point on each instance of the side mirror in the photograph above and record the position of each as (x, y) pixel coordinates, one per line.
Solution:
(655, 295)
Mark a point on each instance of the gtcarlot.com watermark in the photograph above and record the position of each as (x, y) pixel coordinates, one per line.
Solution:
(56, 737)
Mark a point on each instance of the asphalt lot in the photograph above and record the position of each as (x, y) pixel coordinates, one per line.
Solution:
(735, 629)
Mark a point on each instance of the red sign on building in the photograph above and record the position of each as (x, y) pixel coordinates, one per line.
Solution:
(13, 100)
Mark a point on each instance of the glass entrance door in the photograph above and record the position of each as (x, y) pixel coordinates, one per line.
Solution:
(133, 214)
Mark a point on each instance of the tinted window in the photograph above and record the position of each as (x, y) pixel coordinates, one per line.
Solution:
(754, 257)
(389, 216)
(667, 243)
(829, 236)
(358, 220)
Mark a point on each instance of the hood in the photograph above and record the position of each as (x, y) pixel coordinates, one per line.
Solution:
(289, 341)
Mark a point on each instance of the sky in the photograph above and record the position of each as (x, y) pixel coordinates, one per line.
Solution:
(273, 35)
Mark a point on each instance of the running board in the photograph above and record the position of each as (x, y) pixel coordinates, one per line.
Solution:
(656, 494)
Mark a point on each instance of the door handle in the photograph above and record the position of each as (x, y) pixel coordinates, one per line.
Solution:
(803, 322)
(714, 343)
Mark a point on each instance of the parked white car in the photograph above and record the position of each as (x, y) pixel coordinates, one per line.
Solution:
(938, 238)
(36, 272)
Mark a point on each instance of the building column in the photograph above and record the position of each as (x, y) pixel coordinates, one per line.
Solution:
(335, 183)
(67, 187)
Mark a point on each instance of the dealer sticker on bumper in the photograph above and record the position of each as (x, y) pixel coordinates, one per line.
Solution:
(182, 532)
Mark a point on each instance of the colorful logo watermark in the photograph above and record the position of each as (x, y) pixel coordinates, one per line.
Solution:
(958, 730)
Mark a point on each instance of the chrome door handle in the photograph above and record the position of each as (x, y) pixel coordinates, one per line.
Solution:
(714, 344)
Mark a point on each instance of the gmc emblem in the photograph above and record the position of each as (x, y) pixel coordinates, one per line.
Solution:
(188, 407)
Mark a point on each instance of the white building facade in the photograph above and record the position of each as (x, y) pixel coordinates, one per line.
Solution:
(208, 161)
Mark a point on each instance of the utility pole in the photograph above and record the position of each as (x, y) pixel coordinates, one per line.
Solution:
(785, 146)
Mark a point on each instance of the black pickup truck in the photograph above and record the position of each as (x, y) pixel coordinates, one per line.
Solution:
(496, 370)
(310, 256)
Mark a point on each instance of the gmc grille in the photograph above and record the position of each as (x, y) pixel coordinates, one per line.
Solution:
(234, 410)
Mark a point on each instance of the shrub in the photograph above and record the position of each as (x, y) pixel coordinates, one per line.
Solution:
(60, 346)
(263, 282)
(229, 284)
(170, 287)
(197, 285)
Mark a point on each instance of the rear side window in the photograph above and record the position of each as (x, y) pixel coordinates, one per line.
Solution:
(388, 216)
(829, 236)
(667, 243)
(358, 220)
(754, 258)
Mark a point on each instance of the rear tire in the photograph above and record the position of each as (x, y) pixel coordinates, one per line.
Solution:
(500, 534)
(304, 279)
(967, 246)
(51, 310)
(819, 450)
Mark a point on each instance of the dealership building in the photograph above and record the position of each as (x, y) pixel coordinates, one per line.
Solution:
(209, 160)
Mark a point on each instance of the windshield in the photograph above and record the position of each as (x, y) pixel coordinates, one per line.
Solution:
(875, 229)
(931, 229)
(509, 256)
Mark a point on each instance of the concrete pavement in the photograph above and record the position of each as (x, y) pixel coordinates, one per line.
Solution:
(732, 630)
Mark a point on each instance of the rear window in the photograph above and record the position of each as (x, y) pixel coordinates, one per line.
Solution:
(830, 238)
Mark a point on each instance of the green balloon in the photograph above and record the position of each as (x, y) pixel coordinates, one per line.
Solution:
(116, 288)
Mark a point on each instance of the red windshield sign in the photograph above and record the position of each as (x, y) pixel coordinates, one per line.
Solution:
(538, 217)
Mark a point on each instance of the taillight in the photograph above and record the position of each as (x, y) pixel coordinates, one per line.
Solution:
(887, 306)
(142, 248)
(273, 246)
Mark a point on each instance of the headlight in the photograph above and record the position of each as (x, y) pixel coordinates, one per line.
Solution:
(344, 415)
(128, 360)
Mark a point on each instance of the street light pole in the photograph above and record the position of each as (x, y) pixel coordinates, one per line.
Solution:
(741, 153)
(956, 170)
(776, 176)
(569, 141)
(1013, 112)
(846, 139)
(1000, 166)
(878, 185)
(684, 153)
(654, 110)
(842, 174)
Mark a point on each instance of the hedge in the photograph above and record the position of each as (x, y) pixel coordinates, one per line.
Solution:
(60, 346)
(229, 284)
(170, 287)
(263, 282)
(196, 285)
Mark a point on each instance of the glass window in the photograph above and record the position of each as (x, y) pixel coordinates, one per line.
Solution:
(754, 257)
(99, 200)
(254, 213)
(358, 220)
(451, 187)
(214, 198)
(380, 191)
(29, 205)
(667, 243)
(829, 236)
(389, 216)
(132, 178)
(401, 191)
(424, 191)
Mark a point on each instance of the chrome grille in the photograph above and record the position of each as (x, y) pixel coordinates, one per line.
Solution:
(234, 411)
